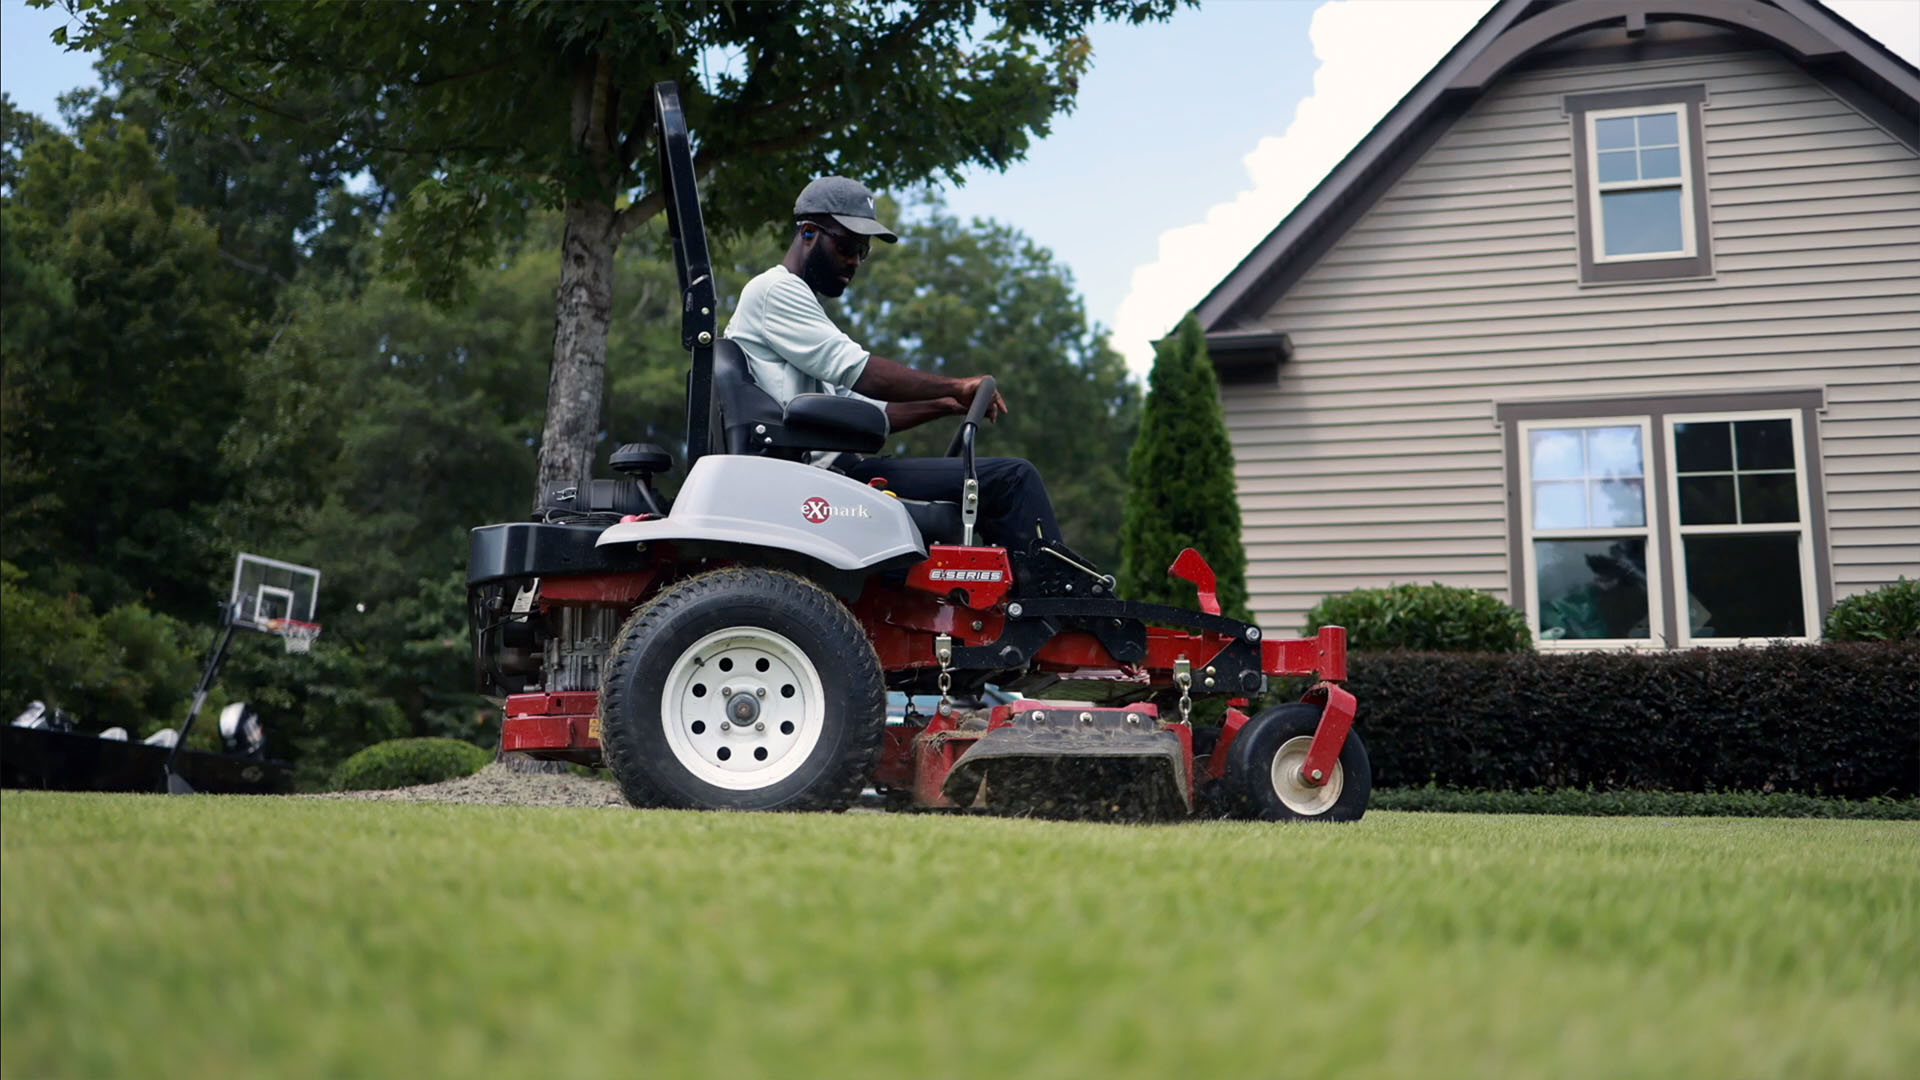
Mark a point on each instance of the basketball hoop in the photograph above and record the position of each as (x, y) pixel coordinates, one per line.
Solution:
(297, 636)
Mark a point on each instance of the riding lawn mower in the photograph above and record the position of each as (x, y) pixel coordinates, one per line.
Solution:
(733, 649)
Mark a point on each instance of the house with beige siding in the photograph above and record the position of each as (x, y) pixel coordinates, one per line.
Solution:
(1616, 316)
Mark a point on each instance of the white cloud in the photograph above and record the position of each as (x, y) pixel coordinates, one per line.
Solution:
(1371, 53)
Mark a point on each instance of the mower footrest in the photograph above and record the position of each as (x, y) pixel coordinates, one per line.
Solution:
(1066, 762)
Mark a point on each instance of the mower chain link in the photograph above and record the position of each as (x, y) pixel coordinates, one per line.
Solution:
(943, 651)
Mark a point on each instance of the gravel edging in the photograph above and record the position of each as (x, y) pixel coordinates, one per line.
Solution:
(497, 785)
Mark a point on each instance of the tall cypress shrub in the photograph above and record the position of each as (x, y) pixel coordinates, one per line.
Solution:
(1180, 490)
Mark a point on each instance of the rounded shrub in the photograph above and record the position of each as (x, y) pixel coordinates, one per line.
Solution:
(1889, 613)
(1423, 618)
(406, 762)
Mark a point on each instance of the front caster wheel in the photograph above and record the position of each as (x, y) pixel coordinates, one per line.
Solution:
(742, 689)
(1263, 770)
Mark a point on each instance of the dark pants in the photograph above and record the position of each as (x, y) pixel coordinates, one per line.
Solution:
(1013, 499)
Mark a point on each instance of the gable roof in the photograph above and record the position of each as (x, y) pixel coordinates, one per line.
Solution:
(1853, 65)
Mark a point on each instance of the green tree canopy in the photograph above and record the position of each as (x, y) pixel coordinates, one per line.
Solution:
(476, 113)
(1180, 490)
(121, 372)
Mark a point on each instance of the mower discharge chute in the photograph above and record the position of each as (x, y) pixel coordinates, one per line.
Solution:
(733, 650)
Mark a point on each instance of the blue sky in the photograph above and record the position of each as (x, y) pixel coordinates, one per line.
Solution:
(1191, 139)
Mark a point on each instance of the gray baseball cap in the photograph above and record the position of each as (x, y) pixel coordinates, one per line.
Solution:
(846, 201)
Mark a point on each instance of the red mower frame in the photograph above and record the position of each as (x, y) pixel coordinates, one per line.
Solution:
(948, 595)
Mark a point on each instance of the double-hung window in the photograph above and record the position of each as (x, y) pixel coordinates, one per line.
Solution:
(1641, 190)
(1588, 532)
(1744, 547)
(1667, 522)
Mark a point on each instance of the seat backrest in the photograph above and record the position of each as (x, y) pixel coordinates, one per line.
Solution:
(743, 404)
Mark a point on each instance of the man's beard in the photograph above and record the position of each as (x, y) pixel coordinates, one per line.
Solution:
(822, 271)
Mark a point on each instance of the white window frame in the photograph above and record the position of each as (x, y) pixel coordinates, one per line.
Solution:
(1803, 528)
(1596, 188)
(1656, 635)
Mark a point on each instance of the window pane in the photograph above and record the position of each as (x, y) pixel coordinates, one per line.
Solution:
(1660, 164)
(1619, 503)
(1613, 134)
(1614, 451)
(1592, 588)
(1745, 586)
(1706, 500)
(1560, 505)
(1659, 129)
(1618, 165)
(1555, 453)
(1703, 447)
(1764, 444)
(1641, 222)
(1769, 497)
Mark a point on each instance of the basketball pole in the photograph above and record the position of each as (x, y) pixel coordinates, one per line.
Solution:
(177, 784)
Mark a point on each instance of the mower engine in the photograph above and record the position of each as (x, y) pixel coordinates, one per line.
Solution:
(544, 633)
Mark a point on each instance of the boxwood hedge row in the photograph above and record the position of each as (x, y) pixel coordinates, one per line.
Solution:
(1840, 720)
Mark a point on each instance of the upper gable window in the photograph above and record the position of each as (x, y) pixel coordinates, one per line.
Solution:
(1641, 196)
(1640, 179)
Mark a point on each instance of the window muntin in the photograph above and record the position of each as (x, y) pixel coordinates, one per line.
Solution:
(1640, 175)
(1592, 570)
(1744, 543)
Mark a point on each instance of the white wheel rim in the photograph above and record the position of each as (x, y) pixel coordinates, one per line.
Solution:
(1295, 793)
(766, 693)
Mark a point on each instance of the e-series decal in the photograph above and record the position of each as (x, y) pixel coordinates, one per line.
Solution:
(966, 575)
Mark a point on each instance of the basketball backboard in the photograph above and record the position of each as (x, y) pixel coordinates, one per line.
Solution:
(266, 589)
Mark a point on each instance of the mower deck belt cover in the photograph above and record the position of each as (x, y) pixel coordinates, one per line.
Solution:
(1068, 761)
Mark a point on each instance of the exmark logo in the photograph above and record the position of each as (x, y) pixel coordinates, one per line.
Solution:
(818, 510)
(966, 575)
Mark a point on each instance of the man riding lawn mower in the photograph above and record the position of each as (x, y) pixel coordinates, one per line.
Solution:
(733, 650)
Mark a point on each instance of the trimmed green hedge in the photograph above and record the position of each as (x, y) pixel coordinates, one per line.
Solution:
(1777, 804)
(1428, 618)
(400, 763)
(1889, 613)
(1837, 720)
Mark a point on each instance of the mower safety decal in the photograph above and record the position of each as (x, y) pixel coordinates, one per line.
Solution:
(818, 510)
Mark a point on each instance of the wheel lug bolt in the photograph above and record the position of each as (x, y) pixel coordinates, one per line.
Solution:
(760, 725)
(760, 691)
(724, 726)
(726, 691)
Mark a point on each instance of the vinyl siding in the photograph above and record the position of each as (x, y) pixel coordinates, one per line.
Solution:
(1376, 459)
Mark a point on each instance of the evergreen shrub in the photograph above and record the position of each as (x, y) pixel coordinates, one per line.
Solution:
(1889, 613)
(1427, 618)
(1834, 719)
(400, 763)
(1180, 491)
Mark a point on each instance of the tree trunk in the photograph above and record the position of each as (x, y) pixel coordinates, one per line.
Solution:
(584, 304)
(575, 385)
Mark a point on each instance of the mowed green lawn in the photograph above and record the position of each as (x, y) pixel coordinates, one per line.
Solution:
(210, 937)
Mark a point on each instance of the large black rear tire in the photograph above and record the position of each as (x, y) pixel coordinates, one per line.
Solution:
(742, 689)
(1263, 762)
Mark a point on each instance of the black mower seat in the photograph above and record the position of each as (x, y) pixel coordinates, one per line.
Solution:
(755, 423)
(938, 522)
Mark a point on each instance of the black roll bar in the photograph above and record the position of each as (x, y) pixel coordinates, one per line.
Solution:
(690, 259)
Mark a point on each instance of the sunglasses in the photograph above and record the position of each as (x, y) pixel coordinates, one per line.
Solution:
(846, 242)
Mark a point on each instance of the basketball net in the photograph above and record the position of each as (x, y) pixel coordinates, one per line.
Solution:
(297, 636)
